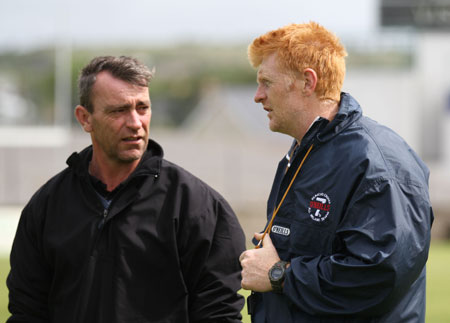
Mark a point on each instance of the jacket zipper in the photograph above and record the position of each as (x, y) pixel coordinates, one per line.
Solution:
(290, 172)
(102, 221)
(106, 210)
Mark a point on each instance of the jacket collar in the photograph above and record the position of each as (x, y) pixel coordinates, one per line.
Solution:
(150, 163)
(349, 112)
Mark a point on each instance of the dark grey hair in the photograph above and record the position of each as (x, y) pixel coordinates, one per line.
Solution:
(125, 68)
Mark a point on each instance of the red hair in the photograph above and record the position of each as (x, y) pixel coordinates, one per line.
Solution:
(301, 46)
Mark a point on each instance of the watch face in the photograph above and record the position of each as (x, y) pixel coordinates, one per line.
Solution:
(277, 273)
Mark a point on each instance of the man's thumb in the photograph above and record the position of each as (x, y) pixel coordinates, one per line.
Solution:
(266, 242)
(258, 236)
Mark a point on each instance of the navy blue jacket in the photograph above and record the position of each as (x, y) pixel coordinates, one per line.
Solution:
(355, 226)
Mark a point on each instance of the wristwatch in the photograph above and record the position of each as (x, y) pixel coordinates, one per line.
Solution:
(276, 275)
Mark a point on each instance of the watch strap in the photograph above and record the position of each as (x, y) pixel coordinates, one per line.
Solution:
(277, 283)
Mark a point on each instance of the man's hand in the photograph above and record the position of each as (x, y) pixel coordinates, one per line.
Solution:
(256, 264)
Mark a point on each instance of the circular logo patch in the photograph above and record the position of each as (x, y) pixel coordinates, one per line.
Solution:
(319, 207)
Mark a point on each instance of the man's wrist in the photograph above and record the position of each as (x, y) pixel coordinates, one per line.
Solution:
(277, 275)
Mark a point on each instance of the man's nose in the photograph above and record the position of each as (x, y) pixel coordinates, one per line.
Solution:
(133, 120)
(259, 95)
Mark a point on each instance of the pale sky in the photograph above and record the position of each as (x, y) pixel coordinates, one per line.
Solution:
(28, 24)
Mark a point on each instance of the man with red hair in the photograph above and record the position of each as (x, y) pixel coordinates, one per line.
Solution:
(349, 214)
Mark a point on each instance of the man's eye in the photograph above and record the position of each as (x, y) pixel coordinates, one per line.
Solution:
(143, 108)
(265, 82)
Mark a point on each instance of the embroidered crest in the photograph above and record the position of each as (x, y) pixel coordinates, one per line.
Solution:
(281, 230)
(319, 207)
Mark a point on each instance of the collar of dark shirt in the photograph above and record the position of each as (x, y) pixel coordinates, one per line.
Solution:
(100, 187)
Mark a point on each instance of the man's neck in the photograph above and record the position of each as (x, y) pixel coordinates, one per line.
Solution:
(326, 109)
(110, 173)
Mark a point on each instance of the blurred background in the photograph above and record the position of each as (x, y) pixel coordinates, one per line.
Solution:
(202, 94)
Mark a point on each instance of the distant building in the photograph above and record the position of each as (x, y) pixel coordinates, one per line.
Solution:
(420, 14)
(14, 108)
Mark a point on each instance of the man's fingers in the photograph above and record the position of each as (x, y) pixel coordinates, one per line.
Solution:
(258, 236)
(267, 242)
(242, 256)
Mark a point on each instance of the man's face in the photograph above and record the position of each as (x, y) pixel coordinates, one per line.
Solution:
(277, 93)
(120, 121)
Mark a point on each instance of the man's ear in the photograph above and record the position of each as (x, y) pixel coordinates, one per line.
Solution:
(310, 78)
(84, 117)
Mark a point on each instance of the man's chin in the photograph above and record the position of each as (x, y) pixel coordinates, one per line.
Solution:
(132, 154)
(130, 157)
(274, 127)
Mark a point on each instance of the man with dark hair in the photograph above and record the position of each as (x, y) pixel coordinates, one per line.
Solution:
(122, 235)
(349, 214)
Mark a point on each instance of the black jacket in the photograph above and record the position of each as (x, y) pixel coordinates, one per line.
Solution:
(355, 226)
(166, 250)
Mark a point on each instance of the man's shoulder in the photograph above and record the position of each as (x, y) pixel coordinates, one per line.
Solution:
(175, 170)
(178, 175)
(53, 185)
(44, 195)
(366, 134)
(381, 148)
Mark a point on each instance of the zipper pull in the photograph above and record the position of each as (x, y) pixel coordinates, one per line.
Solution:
(102, 221)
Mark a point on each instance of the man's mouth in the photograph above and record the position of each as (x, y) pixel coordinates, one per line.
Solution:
(132, 139)
(268, 110)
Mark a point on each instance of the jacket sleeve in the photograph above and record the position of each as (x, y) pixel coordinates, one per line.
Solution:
(209, 251)
(29, 279)
(380, 249)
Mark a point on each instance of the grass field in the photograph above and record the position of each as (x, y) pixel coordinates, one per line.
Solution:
(438, 285)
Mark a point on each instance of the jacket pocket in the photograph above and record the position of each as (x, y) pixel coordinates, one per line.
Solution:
(310, 240)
